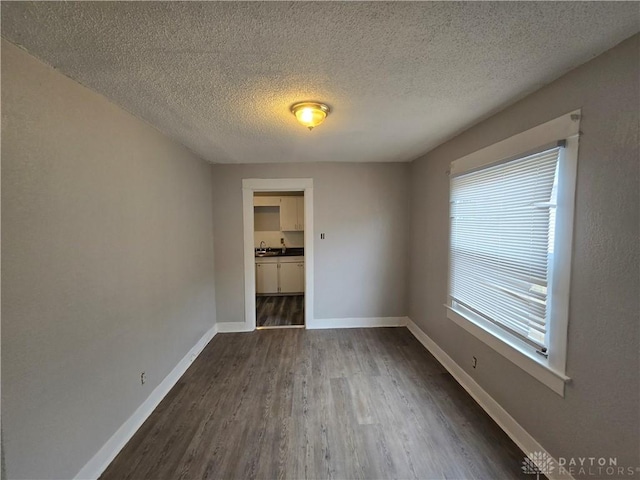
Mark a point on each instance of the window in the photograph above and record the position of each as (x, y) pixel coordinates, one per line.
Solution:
(511, 216)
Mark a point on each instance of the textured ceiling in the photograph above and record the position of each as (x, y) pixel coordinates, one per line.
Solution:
(400, 77)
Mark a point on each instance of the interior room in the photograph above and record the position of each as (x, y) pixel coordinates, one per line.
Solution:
(279, 250)
(256, 240)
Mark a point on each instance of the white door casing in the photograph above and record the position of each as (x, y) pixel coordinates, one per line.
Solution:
(249, 186)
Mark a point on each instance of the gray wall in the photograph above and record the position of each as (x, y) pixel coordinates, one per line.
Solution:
(107, 265)
(600, 414)
(360, 268)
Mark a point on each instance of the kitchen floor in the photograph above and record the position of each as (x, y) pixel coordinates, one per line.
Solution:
(279, 311)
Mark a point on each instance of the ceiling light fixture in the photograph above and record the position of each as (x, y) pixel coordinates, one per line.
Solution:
(310, 114)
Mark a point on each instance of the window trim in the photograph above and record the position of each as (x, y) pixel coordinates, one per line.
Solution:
(510, 347)
(551, 371)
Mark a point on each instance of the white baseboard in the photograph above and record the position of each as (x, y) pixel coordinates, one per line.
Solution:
(320, 323)
(232, 327)
(101, 460)
(519, 435)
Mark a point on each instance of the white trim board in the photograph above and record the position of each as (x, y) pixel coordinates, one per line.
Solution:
(368, 322)
(519, 435)
(101, 460)
(249, 186)
(325, 323)
(512, 349)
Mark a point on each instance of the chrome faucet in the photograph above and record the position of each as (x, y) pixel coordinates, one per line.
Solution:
(263, 246)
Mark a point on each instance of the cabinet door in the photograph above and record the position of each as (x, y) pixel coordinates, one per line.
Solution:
(266, 201)
(266, 278)
(300, 210)
(290, 278)
(288, 214)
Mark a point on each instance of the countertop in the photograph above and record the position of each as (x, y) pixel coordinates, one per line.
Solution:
(273, 252)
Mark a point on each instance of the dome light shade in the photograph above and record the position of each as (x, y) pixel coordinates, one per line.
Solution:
(310, 114)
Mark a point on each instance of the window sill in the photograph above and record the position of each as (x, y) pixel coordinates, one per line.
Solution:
(512, 349)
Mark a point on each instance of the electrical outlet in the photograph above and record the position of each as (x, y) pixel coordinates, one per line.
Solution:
(143, 378)
(322, 236)
(474, 363)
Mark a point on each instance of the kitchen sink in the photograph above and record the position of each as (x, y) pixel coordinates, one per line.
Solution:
(267, 254)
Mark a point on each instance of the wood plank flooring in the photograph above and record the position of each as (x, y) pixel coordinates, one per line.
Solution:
(316, 404)
(280, 311)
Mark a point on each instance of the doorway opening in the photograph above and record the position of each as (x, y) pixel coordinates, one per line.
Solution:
(278, 241)
(278, 233)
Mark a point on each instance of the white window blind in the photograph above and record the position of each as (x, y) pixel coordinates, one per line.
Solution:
(502, 233)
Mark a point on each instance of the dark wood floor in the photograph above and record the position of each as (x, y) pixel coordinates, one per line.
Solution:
(279, 311)
(295, 403)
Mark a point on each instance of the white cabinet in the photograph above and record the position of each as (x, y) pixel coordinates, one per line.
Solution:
(291, 214)
(266, 201)
(300, 209)
(283, 275)
(291, 277)
(288, 214)
(267, 278)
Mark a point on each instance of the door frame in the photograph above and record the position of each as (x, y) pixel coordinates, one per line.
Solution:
(249, 187)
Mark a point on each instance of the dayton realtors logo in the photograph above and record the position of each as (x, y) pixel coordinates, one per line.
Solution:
(599, 467)
(537, 463)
